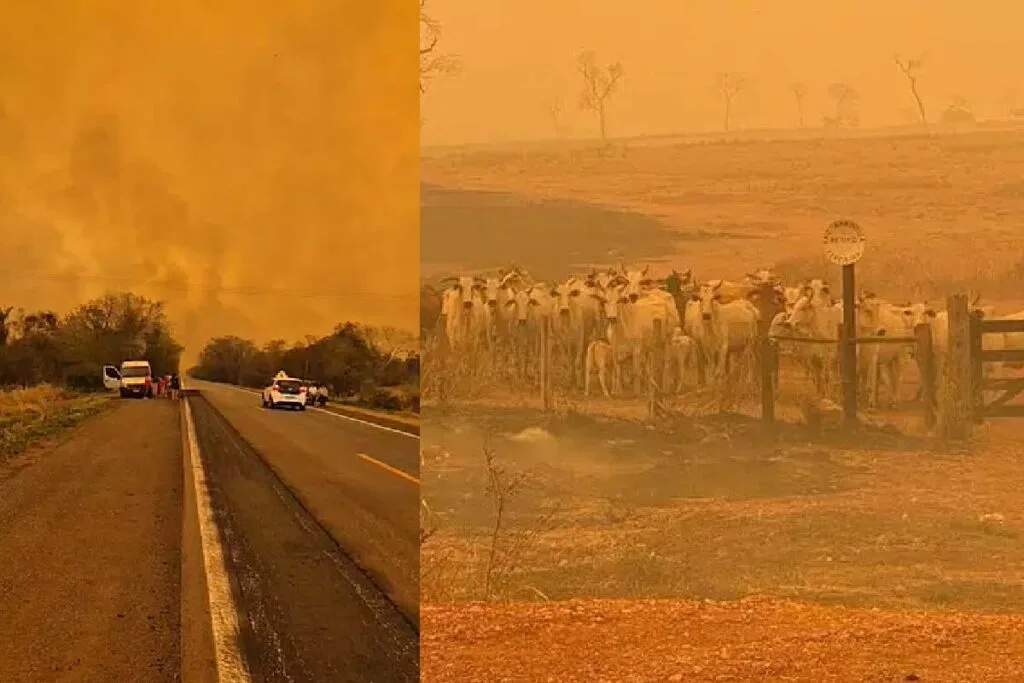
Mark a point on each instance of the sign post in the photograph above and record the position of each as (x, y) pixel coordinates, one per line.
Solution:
(844, 246)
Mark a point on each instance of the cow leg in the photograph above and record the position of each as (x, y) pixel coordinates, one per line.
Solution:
(894, 369)
(723, 363)
(602, 377)
(588, 368)
(638, 375)
(699, 361)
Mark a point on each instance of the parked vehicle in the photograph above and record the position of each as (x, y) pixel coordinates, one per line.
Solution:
(284, 391)
(134, 378)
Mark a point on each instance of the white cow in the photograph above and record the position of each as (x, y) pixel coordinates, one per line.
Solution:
(681, 358)
(498, 291)
(601, 359)
(811, 318)
(631, 327)
(726, 328)
(462, 306)
(577, 321)
(880, 318)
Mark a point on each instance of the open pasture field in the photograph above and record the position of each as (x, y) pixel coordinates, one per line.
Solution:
(940, 212)
(592, 501)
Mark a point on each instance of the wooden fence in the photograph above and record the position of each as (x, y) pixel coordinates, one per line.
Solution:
(962, 386)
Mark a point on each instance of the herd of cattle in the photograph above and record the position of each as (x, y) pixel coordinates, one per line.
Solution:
(603, 323)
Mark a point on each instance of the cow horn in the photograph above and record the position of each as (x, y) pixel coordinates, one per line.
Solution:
(508, 277)
(644, 271)
(448, 281)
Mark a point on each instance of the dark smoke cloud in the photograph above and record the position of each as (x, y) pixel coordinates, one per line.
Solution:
(206, 156)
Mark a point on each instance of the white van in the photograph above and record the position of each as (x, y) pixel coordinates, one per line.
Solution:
(134, 378)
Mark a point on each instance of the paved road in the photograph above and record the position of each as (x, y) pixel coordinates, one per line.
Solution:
(105, 548)
(90, 553)
(369, 505)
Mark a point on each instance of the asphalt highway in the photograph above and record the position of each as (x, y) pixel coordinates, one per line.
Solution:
(111, 542)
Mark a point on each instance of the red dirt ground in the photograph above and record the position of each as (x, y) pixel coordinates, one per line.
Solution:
(754, 639)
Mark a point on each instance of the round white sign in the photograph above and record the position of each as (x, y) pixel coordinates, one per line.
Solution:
(844, 242)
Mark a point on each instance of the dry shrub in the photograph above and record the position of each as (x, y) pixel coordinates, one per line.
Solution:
(35, 399)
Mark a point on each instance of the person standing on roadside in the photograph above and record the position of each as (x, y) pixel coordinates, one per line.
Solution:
(175, 386)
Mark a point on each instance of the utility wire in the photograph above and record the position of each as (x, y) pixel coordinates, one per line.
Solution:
(242, 291)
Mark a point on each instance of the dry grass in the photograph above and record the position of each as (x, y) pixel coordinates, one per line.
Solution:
(732, 207)
(29, 416)
(645, 514)
(33, 399)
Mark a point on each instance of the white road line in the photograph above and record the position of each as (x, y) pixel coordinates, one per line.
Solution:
(231, 667)
(337, 415)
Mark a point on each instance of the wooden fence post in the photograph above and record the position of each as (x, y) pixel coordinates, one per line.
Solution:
(847, 374)
(655, 362)
(977, 374)
(769, 367)
(439, 365)
(545, 365)
(958, 392)
(926, 366)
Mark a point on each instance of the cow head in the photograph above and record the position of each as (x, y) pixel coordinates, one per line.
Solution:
(802, 317)
(609, 300)
(710, 299)
(468, 288)
(635, 281)
(565, 295)
(780, 324)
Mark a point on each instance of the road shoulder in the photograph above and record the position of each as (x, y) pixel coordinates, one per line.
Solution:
(90, 529)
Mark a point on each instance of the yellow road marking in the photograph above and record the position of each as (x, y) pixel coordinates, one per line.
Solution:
(389, 468)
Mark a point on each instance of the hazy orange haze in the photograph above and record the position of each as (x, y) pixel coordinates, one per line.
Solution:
(517, 57)
(205, 153)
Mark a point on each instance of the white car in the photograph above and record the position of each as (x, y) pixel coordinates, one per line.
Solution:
(135, 378)
(285, 391)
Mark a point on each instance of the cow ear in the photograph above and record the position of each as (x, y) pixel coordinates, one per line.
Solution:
(510, 303)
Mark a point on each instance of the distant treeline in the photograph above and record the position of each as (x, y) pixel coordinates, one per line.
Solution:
(365, 364)
(43, 347)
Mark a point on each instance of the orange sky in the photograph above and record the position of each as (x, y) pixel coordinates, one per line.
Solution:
(241, 145)
(517, 57)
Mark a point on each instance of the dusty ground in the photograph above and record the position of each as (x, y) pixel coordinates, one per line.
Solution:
(595, 511)
(747, 640)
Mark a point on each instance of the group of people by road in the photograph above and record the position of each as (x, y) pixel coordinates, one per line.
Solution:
(167, 386)
(318, 392)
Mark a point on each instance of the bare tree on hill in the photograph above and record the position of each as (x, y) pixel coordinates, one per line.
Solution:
(909, 68)
(555, 114)
(799, 93)
(845, 98)
(433, 62)
(958, 112)
(729, 86)
(599, 84)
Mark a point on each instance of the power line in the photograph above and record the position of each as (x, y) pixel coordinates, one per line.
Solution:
(242, 291)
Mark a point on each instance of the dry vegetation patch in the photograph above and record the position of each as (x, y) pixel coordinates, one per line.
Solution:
(28, 416)
(729, 207)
